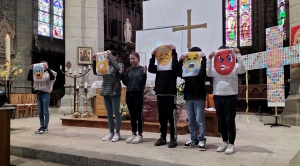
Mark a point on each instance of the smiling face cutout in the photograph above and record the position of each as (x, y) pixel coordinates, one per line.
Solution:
(102, 63)
(224, 62)
(163, 55)
(191, 63)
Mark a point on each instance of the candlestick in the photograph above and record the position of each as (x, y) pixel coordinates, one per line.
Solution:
(85, 85)
(74, 73)
(86, 112)
(77, 114)
(79, 71)
(84, 68)
(7, 50)
(70, 71)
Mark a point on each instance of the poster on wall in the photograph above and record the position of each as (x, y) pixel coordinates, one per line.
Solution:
(102, 63)
(191, 64)
(295, 40)
(38, 72)
(223, 64)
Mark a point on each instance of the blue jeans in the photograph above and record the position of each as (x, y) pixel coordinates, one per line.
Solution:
(43, 101)
(196, 118)
(112, 105)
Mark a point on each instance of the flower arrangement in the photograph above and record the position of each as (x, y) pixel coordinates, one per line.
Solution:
(124, 110)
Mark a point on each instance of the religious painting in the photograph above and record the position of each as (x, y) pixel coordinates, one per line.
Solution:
(245, 23)
(102, 63)
(38, 72)
(295, 40)
(224, 63)
(164, 57)
(84, 55)
(192, 64)
(281, 15)
(231, 29)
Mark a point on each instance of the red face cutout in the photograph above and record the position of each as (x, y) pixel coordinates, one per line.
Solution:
(224, 62)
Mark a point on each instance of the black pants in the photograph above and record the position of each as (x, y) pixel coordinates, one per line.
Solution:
(135, 103)
(226, 107)
(167, 113)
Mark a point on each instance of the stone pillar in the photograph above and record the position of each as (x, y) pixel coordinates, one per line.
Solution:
(84, 27)
(24, 32)
(292, 104)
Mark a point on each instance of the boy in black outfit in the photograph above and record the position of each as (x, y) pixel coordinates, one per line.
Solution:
(165, 89)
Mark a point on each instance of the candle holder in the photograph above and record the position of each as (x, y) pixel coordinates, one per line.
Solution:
(86, 112)
(75, 77)
(76, 114)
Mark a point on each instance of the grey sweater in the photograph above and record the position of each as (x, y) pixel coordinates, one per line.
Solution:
(111, 85)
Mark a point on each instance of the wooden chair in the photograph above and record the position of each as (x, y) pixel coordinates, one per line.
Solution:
(33, 107)
(20, 107)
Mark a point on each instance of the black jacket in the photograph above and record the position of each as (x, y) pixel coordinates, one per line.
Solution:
(194, 87)
(134, 78)
(165, 81)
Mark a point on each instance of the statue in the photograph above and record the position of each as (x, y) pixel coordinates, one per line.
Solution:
(127, 31)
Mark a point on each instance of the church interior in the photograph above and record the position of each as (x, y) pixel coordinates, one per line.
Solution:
(67, 33)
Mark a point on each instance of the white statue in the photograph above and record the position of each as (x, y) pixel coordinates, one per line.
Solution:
(127, 31)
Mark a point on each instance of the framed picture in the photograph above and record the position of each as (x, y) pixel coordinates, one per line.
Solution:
(84, 55)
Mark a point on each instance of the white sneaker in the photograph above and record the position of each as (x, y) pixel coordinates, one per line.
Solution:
(137, 139)
(116, 138)
(223, 147)
(230, 149)
(130, 139)
(108, 137)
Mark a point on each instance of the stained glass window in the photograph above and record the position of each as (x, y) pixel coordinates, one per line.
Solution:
(281, 15)
(44, 17)
(58, 19)
(238, 25)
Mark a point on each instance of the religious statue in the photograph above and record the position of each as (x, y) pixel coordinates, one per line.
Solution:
(127, 31)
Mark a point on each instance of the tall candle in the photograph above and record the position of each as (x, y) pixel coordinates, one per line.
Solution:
(84, 68)
(70, 71)
(85, 85)
(7, 49)
(74, 73)
(79, 71)
(89, 66)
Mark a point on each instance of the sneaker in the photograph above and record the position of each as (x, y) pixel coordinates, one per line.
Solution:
(160, 141)
(223, 147)
(108, 137)
(172, 143)
(230, 149)
(40, 131)
(130, 139)
(190, 144)
(202, 146)
(116, 138)
(137, 139)
(46, 130)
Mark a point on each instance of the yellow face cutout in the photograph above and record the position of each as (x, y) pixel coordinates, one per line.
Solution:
(163, 54)
(38, 72)
(102, 63)
(191, 62)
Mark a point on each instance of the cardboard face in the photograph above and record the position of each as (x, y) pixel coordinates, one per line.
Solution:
(224, 62)
(164, 55)
(102, 63)
(191, 64)
(38, 71)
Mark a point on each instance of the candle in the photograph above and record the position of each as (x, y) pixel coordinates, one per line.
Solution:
(70, 71)
(79, 71)
(77, 87)
(85, 85)
(84, 68)
(66, 69)
(60, 67)
(7, 50)
(89, 66)
(74, 73)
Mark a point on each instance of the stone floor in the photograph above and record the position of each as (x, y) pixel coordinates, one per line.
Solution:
(18, 161)
(256, 145)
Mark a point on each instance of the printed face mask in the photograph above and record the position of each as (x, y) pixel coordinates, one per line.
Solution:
(224, 62)
(102, 63)
(192, 62)
(38, 72)
(163, 55)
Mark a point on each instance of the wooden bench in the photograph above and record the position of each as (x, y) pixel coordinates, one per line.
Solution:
(26, 104)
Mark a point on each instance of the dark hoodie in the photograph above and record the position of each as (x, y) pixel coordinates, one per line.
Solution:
(194, 88)
(165, 81)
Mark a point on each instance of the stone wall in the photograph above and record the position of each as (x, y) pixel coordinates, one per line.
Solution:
(8, 6)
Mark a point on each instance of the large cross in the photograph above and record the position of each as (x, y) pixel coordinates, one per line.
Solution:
(189, 28)
(274, 59)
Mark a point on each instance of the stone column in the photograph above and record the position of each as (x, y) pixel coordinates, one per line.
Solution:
(292, 104)
(84, 27)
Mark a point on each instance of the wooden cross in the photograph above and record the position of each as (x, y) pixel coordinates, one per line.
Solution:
(189, 27)
(274, 59)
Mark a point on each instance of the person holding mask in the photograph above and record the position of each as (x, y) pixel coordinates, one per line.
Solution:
(135, 79)
(111, 91)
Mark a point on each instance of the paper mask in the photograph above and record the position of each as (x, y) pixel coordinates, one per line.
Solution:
(102, 65)
(191, 64)
(38, 72)
(164, 57)
(224, 63)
